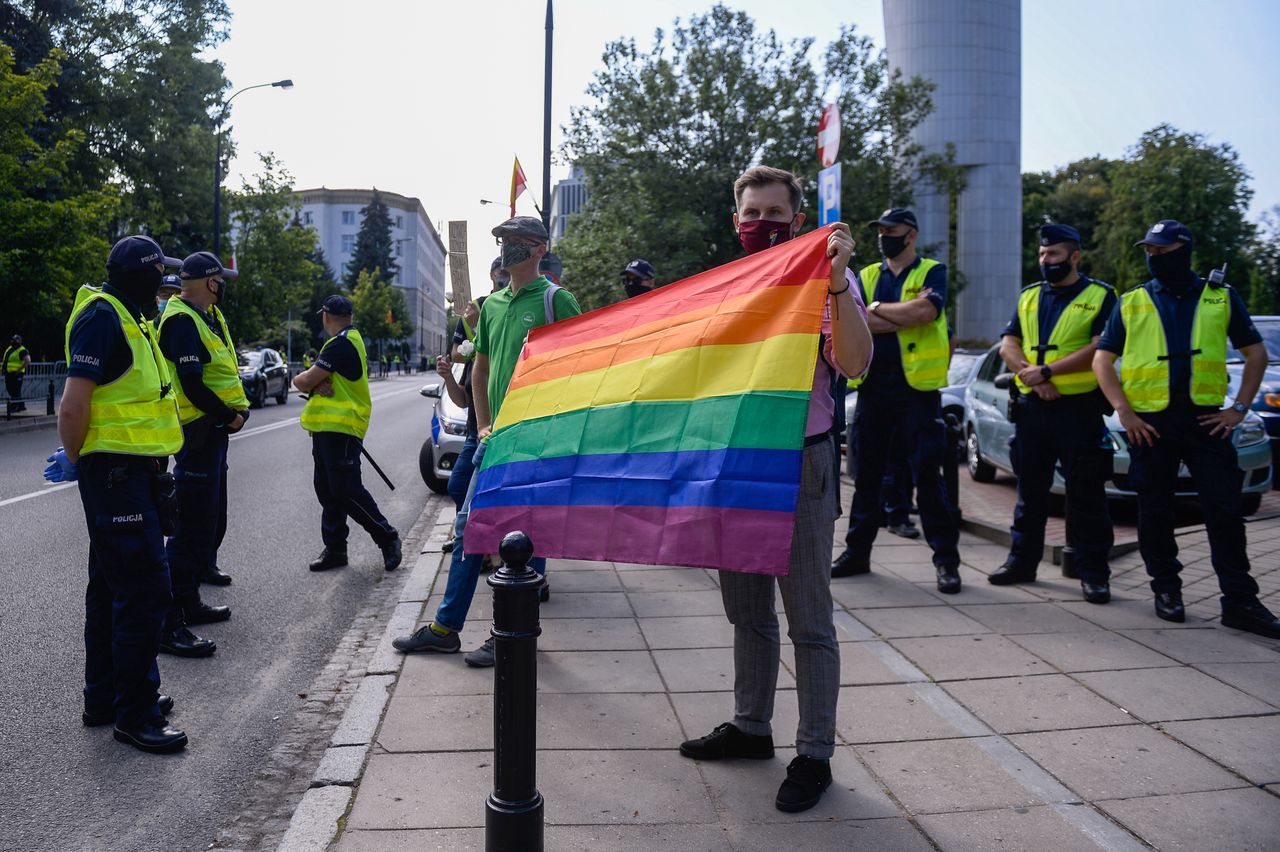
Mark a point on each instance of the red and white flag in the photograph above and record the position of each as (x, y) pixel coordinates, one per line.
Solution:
(518, 185)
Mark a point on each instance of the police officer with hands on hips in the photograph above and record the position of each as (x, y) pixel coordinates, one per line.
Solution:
(337, 416)
(1171, 336)
(1049, 346)
(899, 398)
(212, 406)
(118, 420)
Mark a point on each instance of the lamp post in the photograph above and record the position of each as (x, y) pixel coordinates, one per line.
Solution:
(217, 160)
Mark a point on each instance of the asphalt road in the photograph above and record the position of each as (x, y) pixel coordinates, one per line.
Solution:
(64, 786)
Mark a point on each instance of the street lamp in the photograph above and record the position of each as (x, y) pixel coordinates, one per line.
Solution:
(217, 161)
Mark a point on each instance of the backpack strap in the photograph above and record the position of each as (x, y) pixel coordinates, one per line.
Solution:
(548, 301)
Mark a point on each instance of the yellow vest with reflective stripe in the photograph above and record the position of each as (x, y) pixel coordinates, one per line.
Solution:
(13, 359)
(347, 411)
(1144, 365)
(926, 351)
(136, 414)
(221, 374)
(1072, 332)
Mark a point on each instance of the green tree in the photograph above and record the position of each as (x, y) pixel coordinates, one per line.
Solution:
(52, 227)
(379, 309)
(1075, 195)
(1170, 174)
(322, 285)
(274, 254)
(1264, 266)
(668, 131)
(375, 250)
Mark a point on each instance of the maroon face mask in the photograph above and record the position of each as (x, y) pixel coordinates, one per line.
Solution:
(760, 234)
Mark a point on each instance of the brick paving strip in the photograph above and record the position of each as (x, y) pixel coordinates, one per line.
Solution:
(1003, 717)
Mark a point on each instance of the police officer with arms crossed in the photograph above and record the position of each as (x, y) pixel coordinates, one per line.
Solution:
(201, 357)
(1171, 334)
(906, 297)
(118, 421)
(1049, 346)
(337, 416)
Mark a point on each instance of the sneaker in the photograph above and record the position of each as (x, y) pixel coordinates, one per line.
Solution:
(391, 555)
(807, 779)
(728, 741)
(426, 639)
(907, 530)
(482, 657)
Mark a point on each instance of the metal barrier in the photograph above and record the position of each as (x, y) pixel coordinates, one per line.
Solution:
(43, 382)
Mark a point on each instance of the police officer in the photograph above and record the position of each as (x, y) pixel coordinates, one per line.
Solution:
(308, 358)
(1049, 345)
(638, 278)
(197, 345)
(1172, 335)
(118, 421)
(169, 287)
(899, 399)
(337, 416)
(15, 362)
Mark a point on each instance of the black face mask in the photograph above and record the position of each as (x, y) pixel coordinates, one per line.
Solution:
(219, 291)
(635, 288)
(1055, 272)
(1173, 269)
(514, 253)
(891, 247)
(139, 286)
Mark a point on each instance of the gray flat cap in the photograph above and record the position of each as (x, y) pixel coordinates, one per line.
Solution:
(527, 227)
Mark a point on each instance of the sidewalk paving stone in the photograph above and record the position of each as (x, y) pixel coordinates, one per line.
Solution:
(1091, 650)
(881, 835)
(603, 580)
(653, 604)
(1005, 829)
(1161, 695)
(893, 623)
(1210, 645)
(1111, 763)
(666, 580)
(880, 590)
(1041, 703)
(705, 670)
(590, 634)
(700, 712)
(943, 776)
(597, 671)
(1247, 745)
(449, 839)
(1261, 680)
(442, 674)
(692, 631)
(628, 788)
(1243, 820)
(1012, 618)
(946, 658)
(881, 714)
(1136, 614)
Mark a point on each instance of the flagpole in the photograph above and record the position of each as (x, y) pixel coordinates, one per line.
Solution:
(545, 212)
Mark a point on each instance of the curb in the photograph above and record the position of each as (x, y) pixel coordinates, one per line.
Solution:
(998, 534)
(27, 424)
(316, 822)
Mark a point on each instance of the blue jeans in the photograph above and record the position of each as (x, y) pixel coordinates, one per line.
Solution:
(464, 568)
(463, 468)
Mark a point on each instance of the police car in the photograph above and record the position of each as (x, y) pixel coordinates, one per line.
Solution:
(448, 432)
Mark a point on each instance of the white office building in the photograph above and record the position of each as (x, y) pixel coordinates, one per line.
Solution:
(567, 197)
(420, 253)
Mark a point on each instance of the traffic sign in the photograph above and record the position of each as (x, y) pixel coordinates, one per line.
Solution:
(829, 135)
(829, 195)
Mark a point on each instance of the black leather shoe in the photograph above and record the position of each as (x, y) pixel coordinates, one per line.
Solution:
(199, 612)
(848, 565)
(215, 576)
(155, 736)
(330, 558)
(94, 720)
(181, 642)
(1007, 574)
(1096, 593)
(1253, 617)
(727, 741)
(1169, 606)
(391, 555)
(949, 580)
(807, 780)
(544, 594)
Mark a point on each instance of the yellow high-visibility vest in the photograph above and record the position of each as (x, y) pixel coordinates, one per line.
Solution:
(137, 413)
(1144, 365)
(13, 359)
(348, 410)
(1072, 332)
(926, 350)
(221, 374)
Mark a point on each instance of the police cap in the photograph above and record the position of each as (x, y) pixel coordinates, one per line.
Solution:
(137, 252)
(1166, 232)
(896, 216)
(1054, 234)
(204, 264)
(640, 269)
(339, 306)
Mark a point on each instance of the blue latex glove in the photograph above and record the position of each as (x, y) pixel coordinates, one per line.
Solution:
(60, 468)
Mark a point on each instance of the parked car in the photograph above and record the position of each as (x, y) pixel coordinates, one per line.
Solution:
(1267, 402)
(264, 373)
(448, 432)
(987, 433)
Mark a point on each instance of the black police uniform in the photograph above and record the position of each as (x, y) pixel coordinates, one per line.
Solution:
(1068, 431)
(1212, 461)
(128, 597)
(13, 378)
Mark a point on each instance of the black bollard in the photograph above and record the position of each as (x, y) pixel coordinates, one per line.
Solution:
(48, 400)
(513, 811)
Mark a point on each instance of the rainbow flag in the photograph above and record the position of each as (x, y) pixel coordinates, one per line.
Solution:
(666, 429)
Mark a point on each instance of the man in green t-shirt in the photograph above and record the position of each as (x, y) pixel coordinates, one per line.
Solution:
(507, 317)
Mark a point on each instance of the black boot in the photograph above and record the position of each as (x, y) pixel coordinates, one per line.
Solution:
(178, 641)
(330, 557)
(154, 736)
(196, 611)
(391, 555)
(1169, 606)
(949, 580)
(1253, 617)
(1008, 574)
(848, 565)
(93, 719)
(215, 576)
(1096, 593)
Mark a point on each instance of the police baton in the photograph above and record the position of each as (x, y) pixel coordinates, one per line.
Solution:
(365, 453)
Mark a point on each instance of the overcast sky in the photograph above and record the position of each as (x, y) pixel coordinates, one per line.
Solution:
(433, 99)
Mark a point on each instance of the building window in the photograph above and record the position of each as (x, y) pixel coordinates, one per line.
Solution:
(348, 217)
(399, 221)
(348, 243)
(306, 218)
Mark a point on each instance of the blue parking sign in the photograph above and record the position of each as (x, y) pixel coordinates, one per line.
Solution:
(829, 195)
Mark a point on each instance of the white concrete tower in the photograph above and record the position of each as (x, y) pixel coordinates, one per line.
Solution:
(971, 49)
